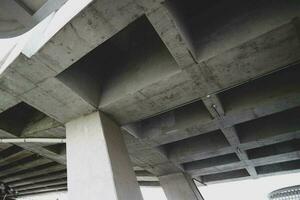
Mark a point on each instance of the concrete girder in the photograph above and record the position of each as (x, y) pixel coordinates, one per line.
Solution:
(214, 106)
(25, 166)
(55, 188)
(253, 104)
(283, 60)
(197, 154)
(53, 167)
(41, 185)
(169, 33)
(179, 186)
(36, 149)
(225, 31)
(191, 85)
(34, 81)
(241, 165)
(37, 179)
(16, 155)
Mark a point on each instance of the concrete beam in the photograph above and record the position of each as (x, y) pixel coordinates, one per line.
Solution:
(38, 179)
(165, 26)
(214, 106)
(149, 183)
(45, 169)
(232, 137)
(23, 164)
(290, 156)
(14, 156)
(41, 126)
(179, 187)
(43, 190)
(57, 96)
(36, 84)
(219, 70)
(41, 185)
(194, 171)
(245, 22)
(151, 159)
(229, 176)
(48, 8)
(11, 10)
(59, 158)
(198, 153)
(145, 176)
(36, 148)
(251, 105)
(7, 101)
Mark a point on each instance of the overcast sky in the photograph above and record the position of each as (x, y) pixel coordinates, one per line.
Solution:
(247, 190)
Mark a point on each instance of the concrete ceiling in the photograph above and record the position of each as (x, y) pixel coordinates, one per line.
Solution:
(32, 5)
(208, 88)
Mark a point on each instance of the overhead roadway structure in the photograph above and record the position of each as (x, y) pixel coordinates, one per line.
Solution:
(200, 90)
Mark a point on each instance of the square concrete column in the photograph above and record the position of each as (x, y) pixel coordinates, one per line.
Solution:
(179, 186)
(98, 162)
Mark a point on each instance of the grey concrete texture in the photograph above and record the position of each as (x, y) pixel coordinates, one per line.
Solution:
(180, 186)
(111, 170)
(186, 102)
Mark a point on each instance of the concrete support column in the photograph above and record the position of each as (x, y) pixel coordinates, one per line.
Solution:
(98, 161)
(180, 186)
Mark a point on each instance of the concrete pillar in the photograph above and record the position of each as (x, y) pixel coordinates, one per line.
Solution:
(179, 186)
(98, 161)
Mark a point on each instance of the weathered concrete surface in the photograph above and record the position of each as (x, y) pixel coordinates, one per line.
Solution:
(179, 187)
(203, 106)
(235, 23)
(211, 76)
(111, 170)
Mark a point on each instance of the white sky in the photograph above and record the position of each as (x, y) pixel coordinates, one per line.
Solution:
(257, 189)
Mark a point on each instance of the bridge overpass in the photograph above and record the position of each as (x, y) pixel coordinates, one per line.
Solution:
(174, 93)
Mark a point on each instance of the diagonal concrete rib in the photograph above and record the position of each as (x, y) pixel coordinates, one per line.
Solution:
(49, 168)
(38, 179)
(36, 149)
(19, 166)
(40, 185)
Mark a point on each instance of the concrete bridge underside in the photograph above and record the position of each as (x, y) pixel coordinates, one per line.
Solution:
(208, 90)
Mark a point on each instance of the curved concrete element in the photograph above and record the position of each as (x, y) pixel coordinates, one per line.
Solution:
(16, 20)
